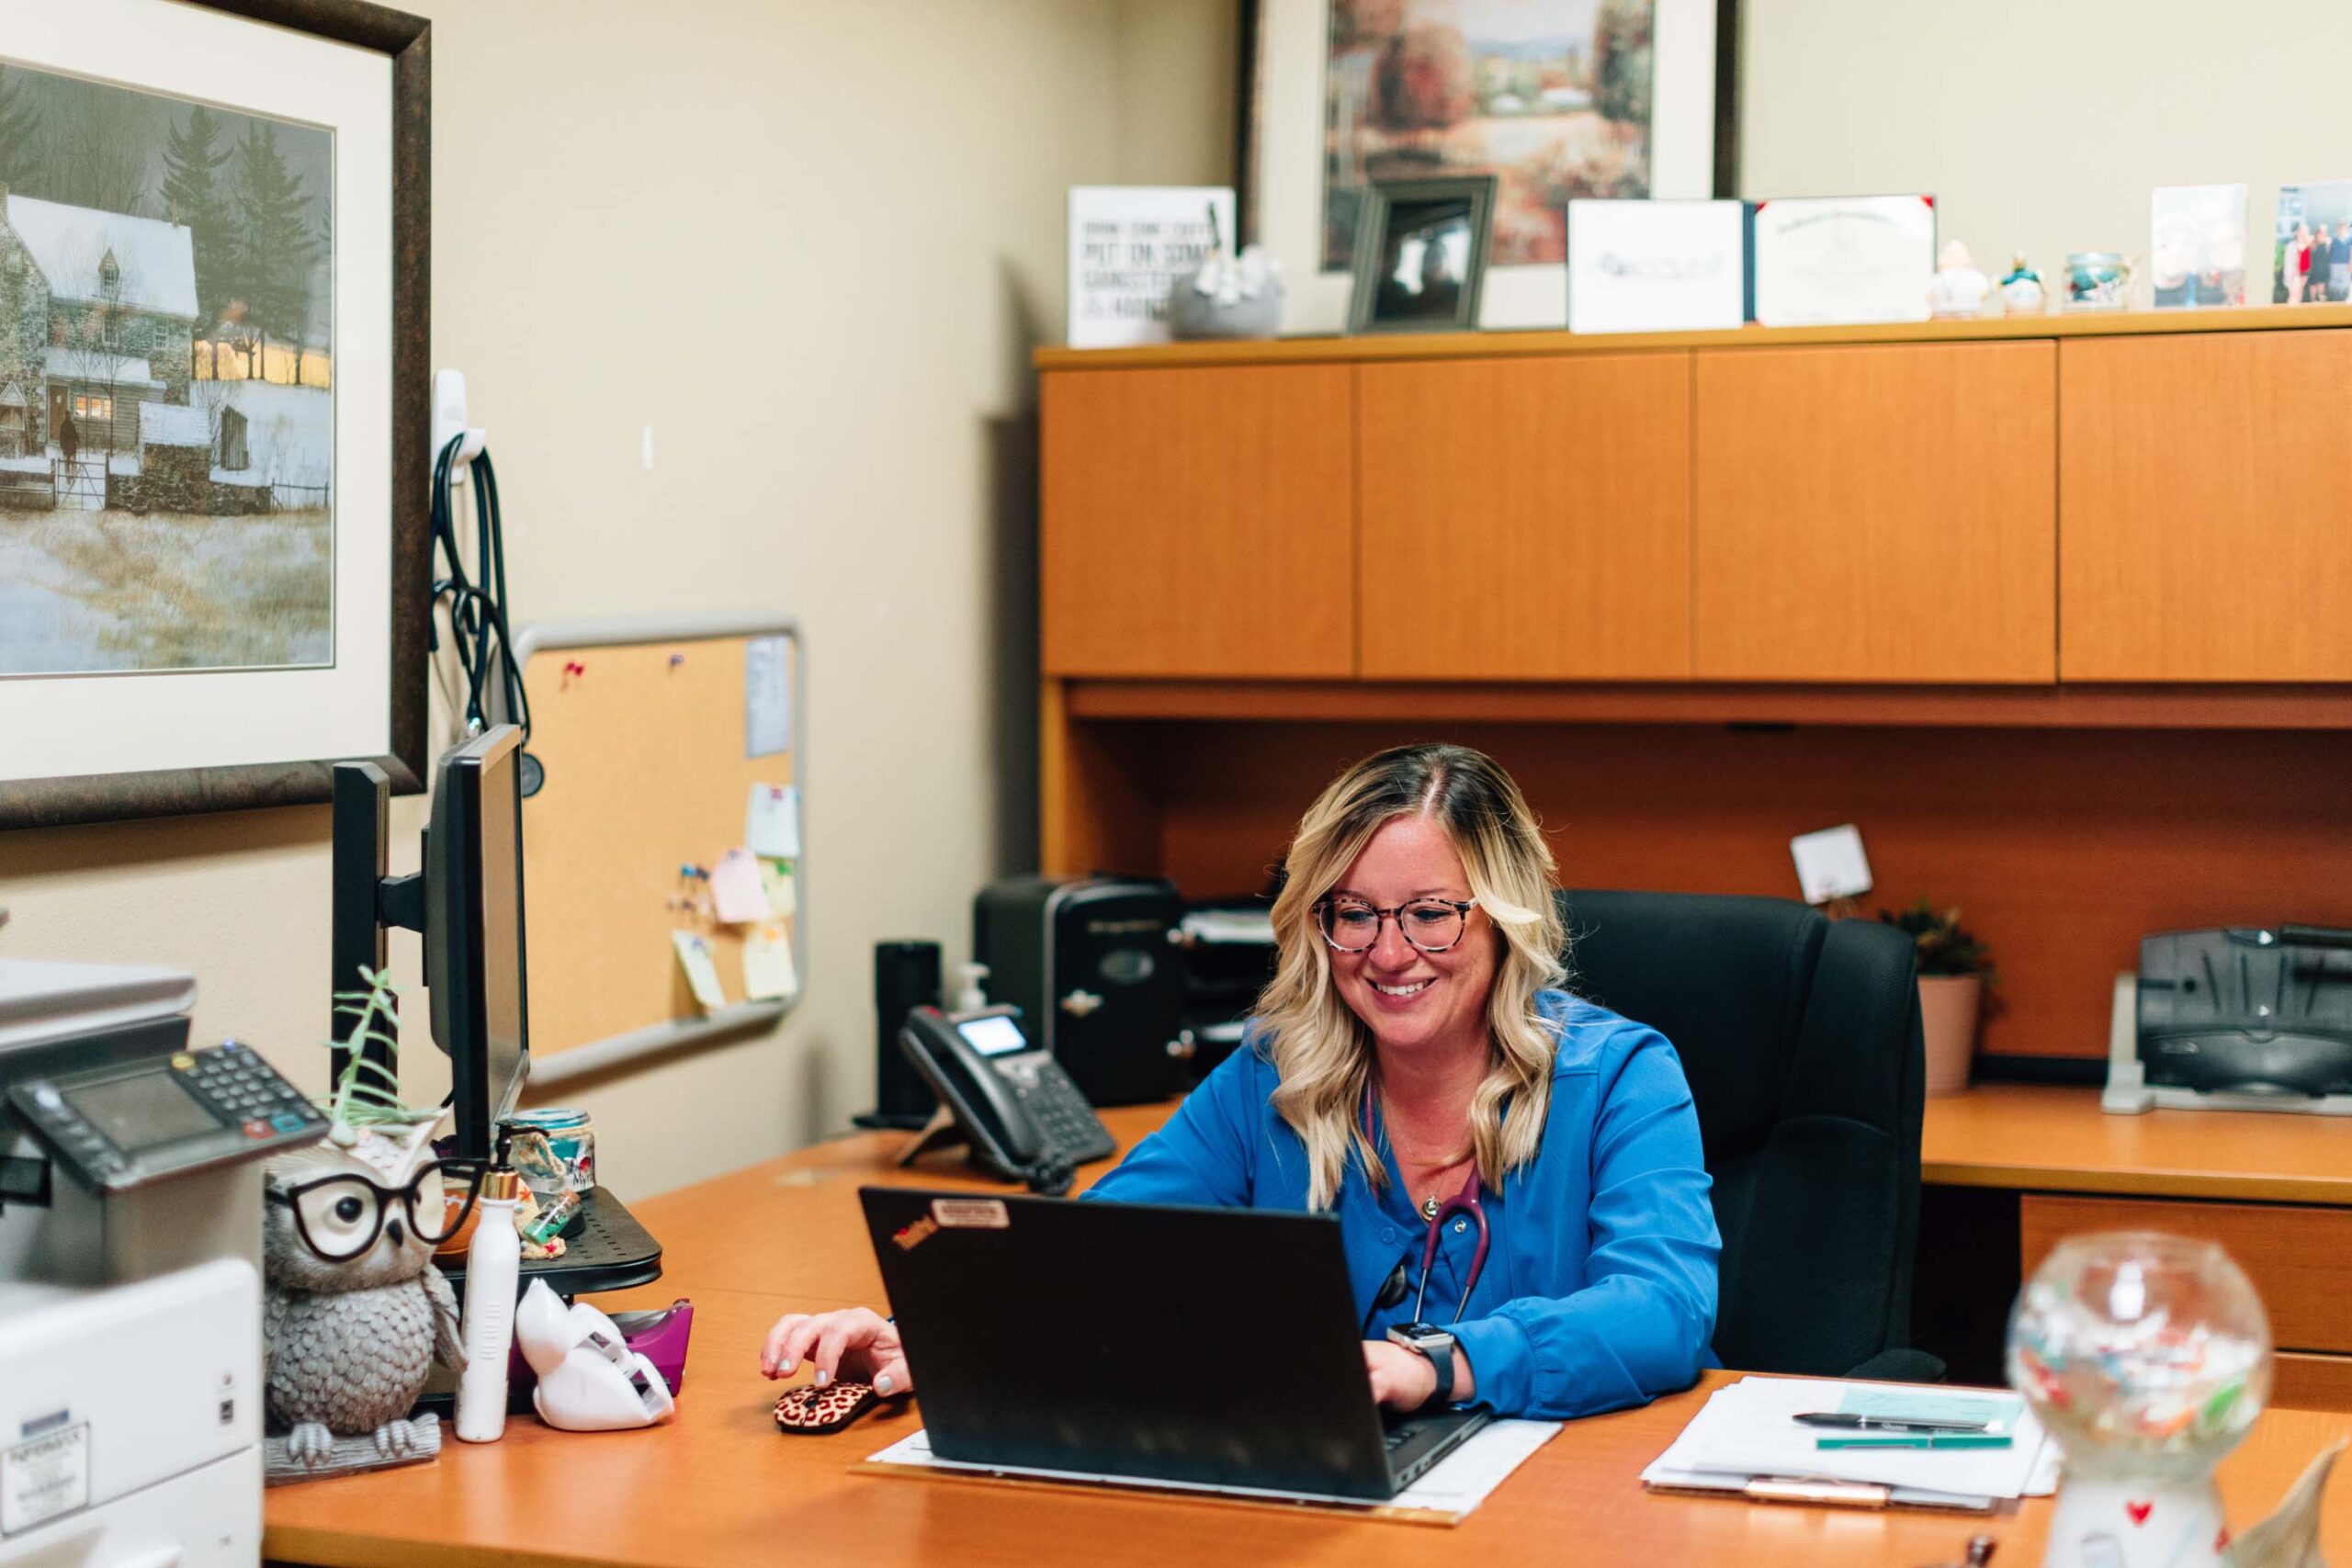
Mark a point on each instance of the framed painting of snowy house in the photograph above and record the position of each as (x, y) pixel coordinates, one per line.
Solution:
(214, 548)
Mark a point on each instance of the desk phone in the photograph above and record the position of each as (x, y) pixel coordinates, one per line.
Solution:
(122, 1127)
(1017, 1107)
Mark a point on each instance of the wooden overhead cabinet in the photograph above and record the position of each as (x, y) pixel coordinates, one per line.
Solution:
(1526, 519)
(1873, 512)
(2206, 482)
(1199, 522)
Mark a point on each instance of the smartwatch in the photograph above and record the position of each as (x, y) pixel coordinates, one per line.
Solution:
(1437, 1344)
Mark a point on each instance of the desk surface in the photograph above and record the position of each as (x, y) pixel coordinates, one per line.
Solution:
(719, 1485)
(2036, 1138)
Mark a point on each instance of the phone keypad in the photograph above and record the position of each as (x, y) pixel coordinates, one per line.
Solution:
(1062, 1114)
(240, 1087)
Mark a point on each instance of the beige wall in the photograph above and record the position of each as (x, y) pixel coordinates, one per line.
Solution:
(2040, 127)
(811, 243)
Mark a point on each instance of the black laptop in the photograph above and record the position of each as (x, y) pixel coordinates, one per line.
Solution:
(1203, 1346)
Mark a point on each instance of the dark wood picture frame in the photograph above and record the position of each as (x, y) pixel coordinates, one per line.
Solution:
(97, 798)
(1384, 199)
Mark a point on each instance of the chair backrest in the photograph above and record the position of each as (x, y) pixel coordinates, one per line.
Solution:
(1799, 1036)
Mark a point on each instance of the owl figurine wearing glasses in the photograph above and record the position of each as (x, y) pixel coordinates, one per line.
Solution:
(355, 1313)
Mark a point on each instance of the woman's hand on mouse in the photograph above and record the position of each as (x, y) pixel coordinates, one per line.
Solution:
(855, 1343)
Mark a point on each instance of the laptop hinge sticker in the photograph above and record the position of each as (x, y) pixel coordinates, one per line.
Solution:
(971, 1213)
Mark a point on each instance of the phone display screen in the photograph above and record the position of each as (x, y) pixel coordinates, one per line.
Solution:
(994, 1036)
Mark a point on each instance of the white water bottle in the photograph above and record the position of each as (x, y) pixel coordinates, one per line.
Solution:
(493, 1267)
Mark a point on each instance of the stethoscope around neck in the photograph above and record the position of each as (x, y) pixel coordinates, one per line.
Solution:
(1466, 1201)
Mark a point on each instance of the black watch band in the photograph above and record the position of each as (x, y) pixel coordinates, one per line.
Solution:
(1440, 1361)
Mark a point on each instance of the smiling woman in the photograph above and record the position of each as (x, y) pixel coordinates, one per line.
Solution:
(1517, 1173)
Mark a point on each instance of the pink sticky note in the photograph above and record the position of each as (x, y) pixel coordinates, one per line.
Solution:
(737, 895)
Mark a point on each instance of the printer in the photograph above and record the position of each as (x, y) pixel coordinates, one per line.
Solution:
(2252, 1018)
(130, 1205)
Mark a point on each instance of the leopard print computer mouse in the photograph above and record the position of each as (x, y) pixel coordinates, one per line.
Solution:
(809, 1410)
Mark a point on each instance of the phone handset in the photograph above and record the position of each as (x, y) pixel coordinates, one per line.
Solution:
(970, 1089)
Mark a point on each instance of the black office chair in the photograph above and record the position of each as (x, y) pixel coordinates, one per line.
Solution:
(1799, 1036)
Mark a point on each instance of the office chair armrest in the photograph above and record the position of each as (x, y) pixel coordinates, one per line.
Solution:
(1900, 1366)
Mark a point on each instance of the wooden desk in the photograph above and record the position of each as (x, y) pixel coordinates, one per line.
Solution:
(2011, 1168)
(719, 1485)
(2030, 1138)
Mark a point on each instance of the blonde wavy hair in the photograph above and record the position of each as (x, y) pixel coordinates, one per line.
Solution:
(1323, 1052)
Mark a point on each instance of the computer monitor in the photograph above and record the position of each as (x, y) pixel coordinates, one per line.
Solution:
(468, 905)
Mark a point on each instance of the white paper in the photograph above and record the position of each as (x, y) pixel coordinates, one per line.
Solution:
(1824, 260)
(1127, 245)
(767, 697)
(1747, 1430)
(1454, 1485)
(772, 822)
(1830, 864)
(768, 970)
(702, 970)
(738, 892)
(1639, 266)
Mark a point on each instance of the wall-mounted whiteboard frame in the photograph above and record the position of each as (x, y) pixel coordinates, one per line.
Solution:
(622, 633)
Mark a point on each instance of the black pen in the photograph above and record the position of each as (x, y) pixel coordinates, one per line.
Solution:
(1886, 1423)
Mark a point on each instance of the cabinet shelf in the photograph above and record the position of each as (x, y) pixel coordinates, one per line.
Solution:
(2199, 706)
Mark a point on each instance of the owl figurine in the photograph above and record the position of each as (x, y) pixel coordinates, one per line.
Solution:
(355, 1314)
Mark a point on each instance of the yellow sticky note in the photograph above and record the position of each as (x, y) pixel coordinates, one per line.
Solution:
(768, 971)
(702, 969)
(776, 875)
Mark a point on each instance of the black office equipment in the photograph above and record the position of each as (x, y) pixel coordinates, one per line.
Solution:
(467, 903)
(1022, 1117)
(1229, 958)
(905, 977)
(2261, 1014)
(1109, 1297)
(1800, 1037)
(1092, 965)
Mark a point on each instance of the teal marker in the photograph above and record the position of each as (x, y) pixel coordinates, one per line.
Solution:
(1923, 1440)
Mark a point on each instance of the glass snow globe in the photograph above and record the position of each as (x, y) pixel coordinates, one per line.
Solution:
(2148, 1358)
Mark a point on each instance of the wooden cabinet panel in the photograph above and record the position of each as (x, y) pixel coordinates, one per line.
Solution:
(1526, 519)
(1876, 514)
(2204, 484)
(2303, 1382)
(2300, 1260)
(1198, 521)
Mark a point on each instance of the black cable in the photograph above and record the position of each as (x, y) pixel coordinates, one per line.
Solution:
(477, 614)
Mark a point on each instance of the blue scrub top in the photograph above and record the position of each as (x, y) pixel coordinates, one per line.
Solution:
(1599, 1290)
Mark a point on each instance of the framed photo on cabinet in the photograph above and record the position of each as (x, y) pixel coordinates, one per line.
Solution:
(1422, 254)
(1555, 100)
(214, 543)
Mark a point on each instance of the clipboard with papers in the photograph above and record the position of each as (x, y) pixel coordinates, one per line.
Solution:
(1745, 1441)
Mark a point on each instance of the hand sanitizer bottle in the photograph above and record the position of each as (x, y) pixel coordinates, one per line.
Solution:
(969, 996)
(493, 1267)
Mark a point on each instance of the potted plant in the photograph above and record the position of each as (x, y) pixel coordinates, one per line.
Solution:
(1954, 969)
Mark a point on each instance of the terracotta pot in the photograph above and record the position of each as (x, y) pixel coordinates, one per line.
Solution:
(1948, 1005)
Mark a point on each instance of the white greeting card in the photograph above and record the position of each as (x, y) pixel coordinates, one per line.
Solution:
(1641, 266)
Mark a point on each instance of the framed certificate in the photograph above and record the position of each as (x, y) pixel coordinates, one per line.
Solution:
(1824, 260)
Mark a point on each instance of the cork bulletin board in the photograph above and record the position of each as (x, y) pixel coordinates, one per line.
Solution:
(645, 729)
